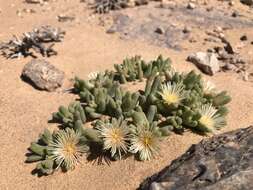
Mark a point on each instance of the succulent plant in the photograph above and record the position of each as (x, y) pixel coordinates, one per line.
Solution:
(39, 153)
(63, 148)
(68, 116)
(127, 123)
(180, 97)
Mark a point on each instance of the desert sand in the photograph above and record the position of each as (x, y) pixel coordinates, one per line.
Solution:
(25, 111)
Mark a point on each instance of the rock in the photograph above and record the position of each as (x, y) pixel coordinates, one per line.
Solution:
(231, 3)
(141, 2)
(210, 39)
(187, 29)
(112, 30)
(247, 2)
(245, 76)
(235, 14)
(192, 40)
(65, 18)
(218, 29)
(160, 30)
(244, 38)
(229, 67)
(42, 75)
(229, 48)
(206, 62)
(191, 6)
(221, 162)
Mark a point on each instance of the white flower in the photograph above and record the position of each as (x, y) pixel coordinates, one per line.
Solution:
(208, 87)
(66, 148)
(93, 75)
(210, 118)
(172, 72)
(172, 93)
(115, 136)
(145, 142)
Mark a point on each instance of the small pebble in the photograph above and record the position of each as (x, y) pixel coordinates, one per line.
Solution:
(192, 40)
(244, 38)
(209, 9)
(191, 6)
(229, 67)
(186, 29)
(111, 30)
(235, 14)
(231, 3)
(218, 29)
(159, 30)
(246, 76)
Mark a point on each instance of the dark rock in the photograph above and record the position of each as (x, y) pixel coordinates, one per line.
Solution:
(247, 2)
(244, 38)
(206, 62)
(159, 30)
(221, 162)
(229, 48)
(43, 75)
(141, 2)
(186, 29)
(235, 14)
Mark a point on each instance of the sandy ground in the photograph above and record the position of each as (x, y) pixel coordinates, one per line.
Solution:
(24, 111)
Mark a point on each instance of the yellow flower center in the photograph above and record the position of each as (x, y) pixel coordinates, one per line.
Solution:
(207, 121)
(171, 98)
(116, 136)
(70, 149)
(147, 141)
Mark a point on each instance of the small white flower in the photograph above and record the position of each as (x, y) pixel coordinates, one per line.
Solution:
(66, 148)
(210, 118)
(115, 136)
(172, 93)
(93, 75)
(208, 87)
(146, 143)
(172, 71)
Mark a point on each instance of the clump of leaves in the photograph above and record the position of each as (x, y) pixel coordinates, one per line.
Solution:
(184, 101)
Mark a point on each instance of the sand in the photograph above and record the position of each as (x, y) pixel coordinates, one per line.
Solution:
(24, 111)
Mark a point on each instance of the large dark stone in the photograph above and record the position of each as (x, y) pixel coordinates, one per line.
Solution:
(221, 162)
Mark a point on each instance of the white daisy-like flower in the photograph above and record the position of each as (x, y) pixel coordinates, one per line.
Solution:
(210, 118)
(172, 71)
(146, 143)
(93, 75)
(172, 93)
(208, 87)
(115, 136)
(66, 148)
